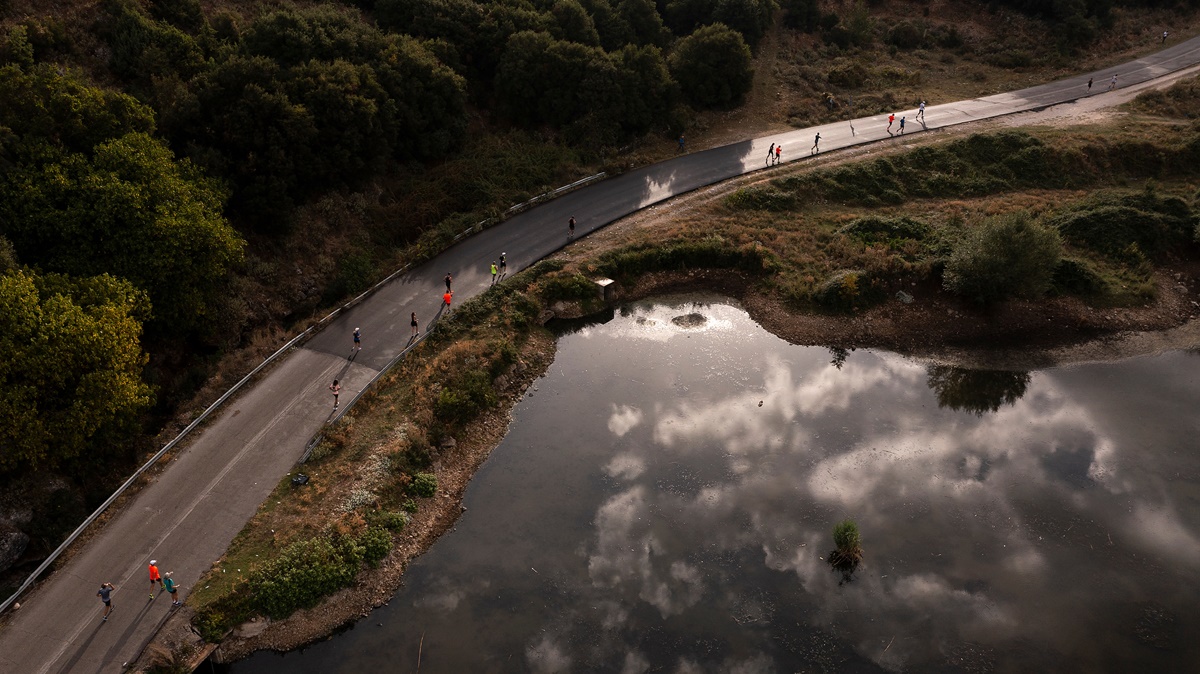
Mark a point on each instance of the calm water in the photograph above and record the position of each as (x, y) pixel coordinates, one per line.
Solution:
(665, 498)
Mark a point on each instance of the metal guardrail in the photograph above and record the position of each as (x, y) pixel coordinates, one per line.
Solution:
(311, 330)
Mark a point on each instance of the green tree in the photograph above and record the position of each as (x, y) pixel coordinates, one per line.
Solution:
(17, 49)
(751, 18)
(70, 382)
(713, 67)
(143, 49)
(543, 80)
(130, 210)
(1006, 256)
(645, 22)
(612, 28)
(293, 36)
(572, 23)
(648, 93)
(40, 106)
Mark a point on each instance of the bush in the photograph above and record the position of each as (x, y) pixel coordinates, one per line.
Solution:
(424, 485)
(905, 35)
(389, 520)
(877, 228)
(465, 398)
(761, 199)
(376, 543)
(1077, 277)
(212, 625)
(713, 252)
(570, 287)
(1006, 256)
(303, 573)
(409, 506)
(847, 538)
(1110, 224)
(847, 290)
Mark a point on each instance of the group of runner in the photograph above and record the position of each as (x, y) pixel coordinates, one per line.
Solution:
(158, 581)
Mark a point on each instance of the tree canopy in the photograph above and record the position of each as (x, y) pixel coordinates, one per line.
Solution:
(70, 379)
(713, 66)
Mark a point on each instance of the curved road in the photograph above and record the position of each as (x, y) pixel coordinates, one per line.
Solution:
(193, 509)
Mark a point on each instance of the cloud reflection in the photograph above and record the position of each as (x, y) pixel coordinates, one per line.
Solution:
(866, 441)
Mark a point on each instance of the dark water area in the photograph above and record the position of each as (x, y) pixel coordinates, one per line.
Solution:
(665, 499)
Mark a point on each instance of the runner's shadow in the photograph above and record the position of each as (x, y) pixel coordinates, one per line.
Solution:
(70, 665)
(83, 648)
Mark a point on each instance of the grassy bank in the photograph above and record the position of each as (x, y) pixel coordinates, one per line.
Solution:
(375, 474)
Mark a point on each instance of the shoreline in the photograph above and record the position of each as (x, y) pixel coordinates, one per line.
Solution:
(936, 330)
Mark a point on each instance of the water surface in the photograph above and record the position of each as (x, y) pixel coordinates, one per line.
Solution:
(665, 498)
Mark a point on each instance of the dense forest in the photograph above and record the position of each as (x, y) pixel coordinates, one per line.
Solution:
(158, 158)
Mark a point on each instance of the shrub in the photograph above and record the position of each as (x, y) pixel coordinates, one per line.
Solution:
(877, 228)
(463, 399)
(1110, 224)
(1077, 277)
(303, 573)
(376, 543)
(713, 252)
(390, 520)
(570, 287)
(1006, 256)
(409, 506)
(847, 539)
(761, 199)
(212, 625)
(848, 551)
(424, 485)
(847, 290)
(905, 35)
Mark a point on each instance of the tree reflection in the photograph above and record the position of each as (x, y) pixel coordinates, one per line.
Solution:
(976, 391)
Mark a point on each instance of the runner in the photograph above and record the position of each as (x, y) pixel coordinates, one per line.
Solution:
(770, 153)
(495, 271)
(1089, 85)
(1112, 84)
(414, 324)
(571, 227)
(105, 593)
(816, 143)
(446, 300)
(336, 388)
(154, 577)
(503, 265)
(901, 124)
(891, 118)
(778, 151)
(921, 111)
(448, 277)
(171, 587)
(1164, 38)
(358, 339)
(682, 144)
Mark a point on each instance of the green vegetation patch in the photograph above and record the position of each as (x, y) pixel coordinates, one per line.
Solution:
(712, 252)
(1003, 257)
(1110, 223)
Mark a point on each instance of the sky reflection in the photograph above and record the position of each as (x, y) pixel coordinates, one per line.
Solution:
(665, 501)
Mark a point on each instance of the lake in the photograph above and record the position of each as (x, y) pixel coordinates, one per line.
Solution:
(666, 495)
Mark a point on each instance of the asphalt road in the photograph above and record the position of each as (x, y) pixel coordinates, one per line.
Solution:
(187, 517)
